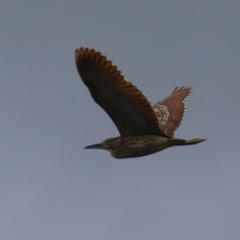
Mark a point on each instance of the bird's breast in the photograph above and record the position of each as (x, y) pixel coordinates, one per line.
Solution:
(139, 146)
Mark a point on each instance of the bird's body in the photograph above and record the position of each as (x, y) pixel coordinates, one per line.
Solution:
(136, 146)
(144, 129)
(139, 146)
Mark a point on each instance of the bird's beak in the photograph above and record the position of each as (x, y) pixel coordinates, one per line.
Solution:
(96, 146)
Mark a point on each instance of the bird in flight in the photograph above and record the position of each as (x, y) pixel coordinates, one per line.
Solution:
(144, 128)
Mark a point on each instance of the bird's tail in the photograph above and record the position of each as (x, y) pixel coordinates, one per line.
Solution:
(180, 142)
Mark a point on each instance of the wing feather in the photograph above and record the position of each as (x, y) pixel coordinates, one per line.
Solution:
(128, 108)
(170, 111)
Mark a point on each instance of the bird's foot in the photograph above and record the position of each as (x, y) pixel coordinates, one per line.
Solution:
(195, 140)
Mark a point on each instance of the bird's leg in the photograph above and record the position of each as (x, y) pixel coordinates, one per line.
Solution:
(195, 141)
(179, 142)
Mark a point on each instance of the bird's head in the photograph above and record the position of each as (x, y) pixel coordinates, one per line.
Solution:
(107, 144)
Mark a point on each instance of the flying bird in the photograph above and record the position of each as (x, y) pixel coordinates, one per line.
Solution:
(144, 128)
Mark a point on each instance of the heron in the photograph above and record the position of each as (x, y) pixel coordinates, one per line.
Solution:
(144, 128)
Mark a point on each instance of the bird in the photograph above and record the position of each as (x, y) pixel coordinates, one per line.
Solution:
(144, 128)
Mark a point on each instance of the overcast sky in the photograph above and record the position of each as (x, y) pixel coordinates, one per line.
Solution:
(52, 188)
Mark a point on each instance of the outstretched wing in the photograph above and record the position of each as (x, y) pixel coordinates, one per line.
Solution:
(124, 103)
(170, 111)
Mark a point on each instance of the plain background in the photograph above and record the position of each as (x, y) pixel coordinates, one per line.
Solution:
(52, 188)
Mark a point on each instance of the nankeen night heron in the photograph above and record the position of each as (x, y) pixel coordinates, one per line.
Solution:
(144, 128)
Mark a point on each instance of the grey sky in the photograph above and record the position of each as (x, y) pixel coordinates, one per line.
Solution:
(51, 188)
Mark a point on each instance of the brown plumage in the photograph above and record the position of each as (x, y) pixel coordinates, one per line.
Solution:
(170, 111)
(144, 129)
